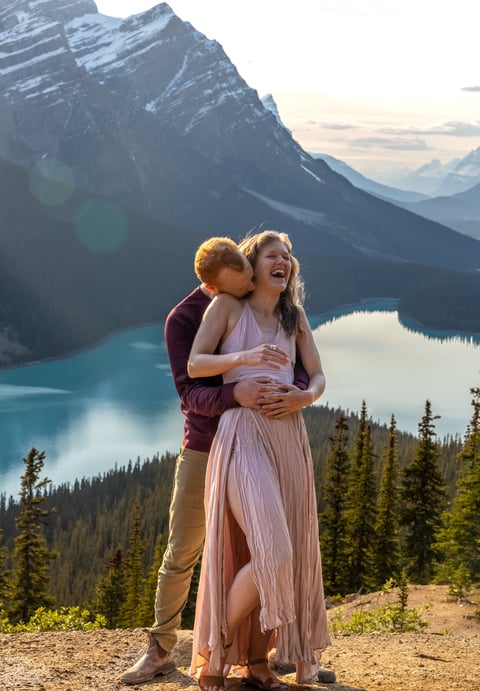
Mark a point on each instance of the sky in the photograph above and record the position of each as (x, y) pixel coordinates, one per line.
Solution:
(383, 85)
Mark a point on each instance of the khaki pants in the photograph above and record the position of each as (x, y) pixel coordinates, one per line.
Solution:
(185, 542)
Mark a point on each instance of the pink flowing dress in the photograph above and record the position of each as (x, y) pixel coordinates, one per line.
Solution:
(274, 472)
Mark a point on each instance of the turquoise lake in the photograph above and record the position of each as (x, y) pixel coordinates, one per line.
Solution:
(116, 401)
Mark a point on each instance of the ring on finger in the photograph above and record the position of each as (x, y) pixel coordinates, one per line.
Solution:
(272, 346)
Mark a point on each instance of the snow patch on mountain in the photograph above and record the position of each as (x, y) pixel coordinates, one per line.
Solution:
(297, 212)
(103, 43)
(271, 105)
(313, 174)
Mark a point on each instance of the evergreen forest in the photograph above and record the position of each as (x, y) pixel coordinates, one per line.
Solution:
(390, 505)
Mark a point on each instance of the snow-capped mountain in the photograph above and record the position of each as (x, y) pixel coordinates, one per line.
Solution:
(464, 175)
(271, 105)
(150, 114)
(436, 179)
(426, 179)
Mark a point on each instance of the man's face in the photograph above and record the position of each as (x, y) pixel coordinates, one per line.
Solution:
(237, 283)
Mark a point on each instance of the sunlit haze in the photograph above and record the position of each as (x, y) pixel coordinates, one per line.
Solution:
(380, 84)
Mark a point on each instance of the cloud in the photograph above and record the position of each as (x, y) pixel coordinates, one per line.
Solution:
(329, 125)
(393, 143)
(337, 126)
(463, 129)
(452, 128)
(470, 88)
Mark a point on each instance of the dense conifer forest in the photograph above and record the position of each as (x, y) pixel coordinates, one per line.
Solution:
(98, 542)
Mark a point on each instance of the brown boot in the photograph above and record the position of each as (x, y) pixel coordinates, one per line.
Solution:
(155, 663)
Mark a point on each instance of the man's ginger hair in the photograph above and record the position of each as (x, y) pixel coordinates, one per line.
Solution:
(213, 255)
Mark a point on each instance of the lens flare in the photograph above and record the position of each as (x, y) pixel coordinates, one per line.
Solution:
(52, 182)
(101, 226)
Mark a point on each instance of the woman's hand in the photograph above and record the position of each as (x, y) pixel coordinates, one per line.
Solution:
(267, 354)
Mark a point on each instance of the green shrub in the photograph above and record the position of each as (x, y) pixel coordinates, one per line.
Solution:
(388, 619)
(63, 619)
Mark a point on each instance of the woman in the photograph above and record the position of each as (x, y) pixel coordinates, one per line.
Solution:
(261, 582)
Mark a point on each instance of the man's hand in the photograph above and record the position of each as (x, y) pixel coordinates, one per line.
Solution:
(249, 392)
(279, 400)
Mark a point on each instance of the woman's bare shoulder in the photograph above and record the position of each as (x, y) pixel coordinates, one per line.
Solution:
(227, 299)
(224, 304)
(303, 324)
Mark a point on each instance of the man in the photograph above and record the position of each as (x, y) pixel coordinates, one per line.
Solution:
(221, 267)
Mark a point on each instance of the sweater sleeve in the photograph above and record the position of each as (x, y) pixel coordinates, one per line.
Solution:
(300, 376)
(206, 396)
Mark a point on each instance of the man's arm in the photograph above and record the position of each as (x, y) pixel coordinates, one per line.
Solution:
(207, 396)
(300, 376)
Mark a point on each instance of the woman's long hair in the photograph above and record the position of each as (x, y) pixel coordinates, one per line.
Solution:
(292, 297)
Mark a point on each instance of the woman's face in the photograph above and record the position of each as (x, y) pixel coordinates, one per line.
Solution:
(273, 266)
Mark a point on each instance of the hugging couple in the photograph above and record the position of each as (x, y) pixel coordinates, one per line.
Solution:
(244, 363)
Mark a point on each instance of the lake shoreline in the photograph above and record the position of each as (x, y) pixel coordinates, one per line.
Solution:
(82, 349)
(122, 403)
(315, 320)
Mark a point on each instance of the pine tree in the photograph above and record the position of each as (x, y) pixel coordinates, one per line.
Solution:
(31, 555)
(333, 520)
(459, 540)
(361, 514)
(111, 591)
(387, 528)
(147, 604)
(357, 457)
(134, 576)
(423, 499)
(4, 577)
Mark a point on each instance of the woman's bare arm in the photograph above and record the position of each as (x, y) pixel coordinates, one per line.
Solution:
(311, 359)
(219, 319)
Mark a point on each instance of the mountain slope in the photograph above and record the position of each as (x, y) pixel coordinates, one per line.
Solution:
(150, 114)
(459, 211)
(383, 191)
(125, 143)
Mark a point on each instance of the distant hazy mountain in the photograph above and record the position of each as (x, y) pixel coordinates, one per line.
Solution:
(437, 179)
(123, 143)
(426, 179)
(459, 211)
(464, 176)
(364, 183)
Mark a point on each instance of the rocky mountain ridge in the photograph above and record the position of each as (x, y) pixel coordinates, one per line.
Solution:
(150, 114)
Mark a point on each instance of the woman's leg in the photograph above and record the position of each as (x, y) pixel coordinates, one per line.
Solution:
(243, 599)
(243, 595)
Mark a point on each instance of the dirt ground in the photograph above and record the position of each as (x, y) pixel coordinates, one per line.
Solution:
(446, 657)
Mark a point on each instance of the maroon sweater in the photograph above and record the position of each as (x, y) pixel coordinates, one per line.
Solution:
(202, 401)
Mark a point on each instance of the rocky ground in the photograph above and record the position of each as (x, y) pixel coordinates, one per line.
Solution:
(446, 657)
